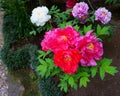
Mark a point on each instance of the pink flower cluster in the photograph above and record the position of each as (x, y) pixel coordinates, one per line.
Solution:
(103, 15)
(80, 11)
(71, 49)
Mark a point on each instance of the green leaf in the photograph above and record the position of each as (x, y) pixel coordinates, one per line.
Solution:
(102, 73)
(102, 31)
(63, 86)
(88, 28)
(93, 71)
(84, 81)
(50, 63)
(42, 70)
(42, 61)
(110, 70)
(76, 27)
(83, 74)
(105, 62)
(55, 71)
(33, 32)
(72, 82)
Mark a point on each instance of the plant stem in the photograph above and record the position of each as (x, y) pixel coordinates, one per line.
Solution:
(90, 5)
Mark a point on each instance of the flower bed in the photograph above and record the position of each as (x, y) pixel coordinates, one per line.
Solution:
(71, 50)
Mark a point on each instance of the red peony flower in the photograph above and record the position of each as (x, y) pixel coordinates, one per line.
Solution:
(59, 39)
(90, 48)
(70, 3)
(67, 60)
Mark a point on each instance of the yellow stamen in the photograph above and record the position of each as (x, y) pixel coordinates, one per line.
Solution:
(91, 46)
(67, 58)
(104, 14)
(64, 37)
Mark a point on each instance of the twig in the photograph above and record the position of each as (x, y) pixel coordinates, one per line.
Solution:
(90, 5)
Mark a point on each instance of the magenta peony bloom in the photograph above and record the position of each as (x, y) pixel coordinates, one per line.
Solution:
(70, 3)
(90, 48)
(67, 60)
(80, 10)
(59, 39)
(103, 15)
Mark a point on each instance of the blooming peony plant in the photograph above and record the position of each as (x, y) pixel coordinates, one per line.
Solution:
(70, 50)
(40, 16)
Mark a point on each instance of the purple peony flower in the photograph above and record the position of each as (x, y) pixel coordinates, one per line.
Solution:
(80, 10)
(103, 15)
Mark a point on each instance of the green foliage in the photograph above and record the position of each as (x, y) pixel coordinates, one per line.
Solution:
(17, 9)
(49, 88)
(46, 68)
(103, 31)
(87, 28)
(40, 29)
(112, 1)
(105, 67)
(93, 71)
(15, 59)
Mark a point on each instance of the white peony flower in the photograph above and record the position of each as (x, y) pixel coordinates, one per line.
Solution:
(40, 16)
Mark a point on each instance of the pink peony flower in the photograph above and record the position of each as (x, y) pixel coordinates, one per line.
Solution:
(59, 39)
(70, 3)
(67, 60)
(103, 15)
(80, 10)
(90, 48)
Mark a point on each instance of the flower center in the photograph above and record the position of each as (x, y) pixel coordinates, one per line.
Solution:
(64, 37)
(83, 17)
(67, 58)
(38, 13)
(91, 46)
(104, 14)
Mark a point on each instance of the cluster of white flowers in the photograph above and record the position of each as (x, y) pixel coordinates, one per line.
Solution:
(40, 16)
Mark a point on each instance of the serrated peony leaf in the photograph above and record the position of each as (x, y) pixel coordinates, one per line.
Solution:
(63, 86)
(105, 62)
(102, 73)
(88, 28)
(98, 29)
(110, 70)
(56, 71)
(42, 61)
(93, 71)
(50, 63)
(42, 70)
(84, 81)
(102, 31)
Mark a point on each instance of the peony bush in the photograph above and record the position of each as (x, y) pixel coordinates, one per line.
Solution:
(72, 48)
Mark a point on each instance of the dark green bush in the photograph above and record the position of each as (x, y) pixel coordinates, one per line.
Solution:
(49, 88)
(17, 9)
(112, 1)
(46, 85)
(15, 59)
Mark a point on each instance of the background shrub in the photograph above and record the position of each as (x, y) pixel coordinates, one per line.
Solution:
(18, 10)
